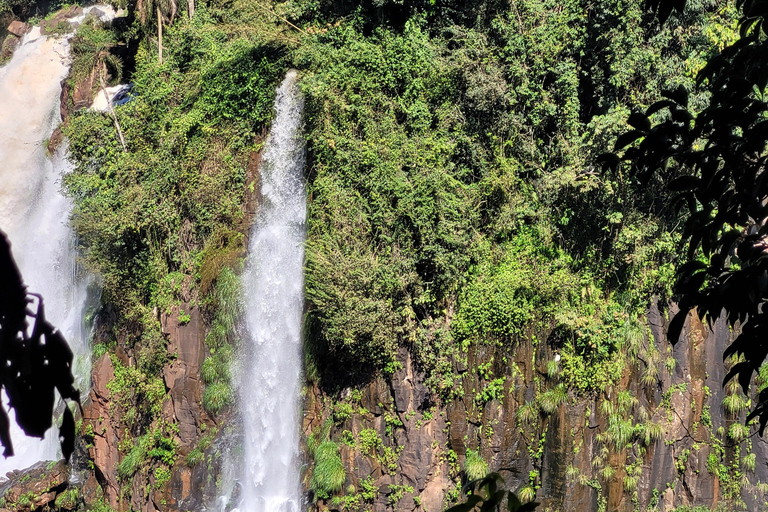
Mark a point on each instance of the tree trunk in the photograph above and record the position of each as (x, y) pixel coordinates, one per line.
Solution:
(160, 35)
(112, 111)
(191, 8)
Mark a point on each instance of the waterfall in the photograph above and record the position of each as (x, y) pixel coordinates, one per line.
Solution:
(33, 212)
(269, 383)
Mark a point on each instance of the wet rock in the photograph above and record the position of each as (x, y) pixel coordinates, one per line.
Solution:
(55, 26)
(69, 12)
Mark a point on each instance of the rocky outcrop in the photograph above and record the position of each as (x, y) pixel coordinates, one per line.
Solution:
(58, 23)
(98, 421)
(42, 486)
(679, 445)
(182, 328)
(18, 28)
(16, 31)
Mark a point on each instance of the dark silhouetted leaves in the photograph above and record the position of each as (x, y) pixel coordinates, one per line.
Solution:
(715, 160)
(639, 121)
(493, 499)
(33, 365)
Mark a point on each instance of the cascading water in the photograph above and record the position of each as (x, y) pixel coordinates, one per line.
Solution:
(273, 283)
(34, 213)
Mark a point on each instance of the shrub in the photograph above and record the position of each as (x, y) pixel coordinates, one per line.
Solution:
(217, 396)
(195, 457)
(738, 432)
(652, 432)
(527, 413)
(134, 459)
(735, 403)
(527, 493)
(216, 367)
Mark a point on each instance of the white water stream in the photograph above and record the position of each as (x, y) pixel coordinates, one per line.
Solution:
(269, 382)
(33, 212)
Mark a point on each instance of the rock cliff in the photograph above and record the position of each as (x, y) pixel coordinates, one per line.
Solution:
(645, 444)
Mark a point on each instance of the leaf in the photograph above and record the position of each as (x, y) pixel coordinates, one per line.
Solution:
(468, 505)
(67, 434)
(658, 106)
(513, 502)
(679, 95)
(676, 326)
(684, 183)
(625, 139)
(744, 370)
(639, 121)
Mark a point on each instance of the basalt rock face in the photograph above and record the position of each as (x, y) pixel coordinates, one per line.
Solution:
(42, 486)
(108, 444)
(679, 446)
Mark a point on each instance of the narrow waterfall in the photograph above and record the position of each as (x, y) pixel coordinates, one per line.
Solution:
(273, 284)
(33, 211)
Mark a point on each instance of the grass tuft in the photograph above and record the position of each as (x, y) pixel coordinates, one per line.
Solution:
(328, 474)
(217, 396)
(551, 399)
(475, 466)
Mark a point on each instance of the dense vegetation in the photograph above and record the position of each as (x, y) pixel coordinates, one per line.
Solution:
(454, 198)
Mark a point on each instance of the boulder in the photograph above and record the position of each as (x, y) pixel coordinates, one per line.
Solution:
(18, 28)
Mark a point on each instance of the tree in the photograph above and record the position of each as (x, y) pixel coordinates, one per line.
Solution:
(165, 12)
(35, 360)
(714, 164)
(92, 50)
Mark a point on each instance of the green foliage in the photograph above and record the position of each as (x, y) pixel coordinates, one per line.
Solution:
(100, 506)
(738, 432)
(369, 441)
(342, 411)
(690, 146)
(69, 499)
(162, 476)
(158, 445)
(551, 399)
(197, 454)
(215, 368)
(135, 394)
(735, 403)
(239, 85)
(369, 491)
(328, 472)
(134, 459)
(532, 282)
(475, 466)
(493, 390)
(527, 413)
(216, 397)
(447, 173)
